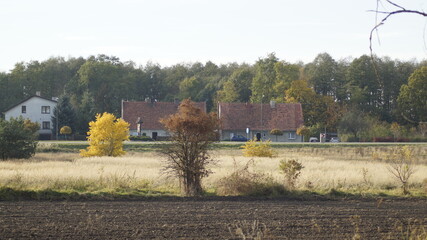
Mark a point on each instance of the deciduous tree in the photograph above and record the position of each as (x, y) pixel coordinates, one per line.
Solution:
(192, 131)
(413, 97)
(265, 78)
(353, 123)
(106, 136)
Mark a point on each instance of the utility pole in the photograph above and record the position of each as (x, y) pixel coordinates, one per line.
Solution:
(262, 123)
(57, 121)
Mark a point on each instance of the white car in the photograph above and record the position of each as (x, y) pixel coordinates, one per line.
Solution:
(313, 139)
(335, 140)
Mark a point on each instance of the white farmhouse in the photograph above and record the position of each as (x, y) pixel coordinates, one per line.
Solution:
(36, 109)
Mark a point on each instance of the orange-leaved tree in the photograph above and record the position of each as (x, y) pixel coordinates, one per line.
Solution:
(192, 131)
(106, 136)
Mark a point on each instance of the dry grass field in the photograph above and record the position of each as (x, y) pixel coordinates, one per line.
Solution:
(350, 169)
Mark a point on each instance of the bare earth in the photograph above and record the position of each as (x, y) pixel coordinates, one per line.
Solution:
(212, 218)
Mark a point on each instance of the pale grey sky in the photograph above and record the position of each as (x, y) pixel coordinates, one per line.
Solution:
(175, 31)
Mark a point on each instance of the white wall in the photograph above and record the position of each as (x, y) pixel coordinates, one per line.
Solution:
(226, 135)
(34, 112)
(149, 133)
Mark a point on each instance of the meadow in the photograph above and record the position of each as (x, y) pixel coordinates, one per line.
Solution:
(356, 170)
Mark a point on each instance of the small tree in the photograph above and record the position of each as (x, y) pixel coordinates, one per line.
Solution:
(292, 170)
(304, 131)
(65, 130)
(192, 131)
(402, 166)
(17, 138)
(106, 136)
(354, 123)
(276, 132)
(396, 129)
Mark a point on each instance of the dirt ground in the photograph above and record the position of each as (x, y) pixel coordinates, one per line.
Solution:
(215, 218)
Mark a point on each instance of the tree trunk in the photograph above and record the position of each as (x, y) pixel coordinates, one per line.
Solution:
(192, 186)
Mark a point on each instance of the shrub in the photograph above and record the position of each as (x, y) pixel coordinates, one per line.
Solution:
(304, 131)
(192, 132)
(65, 130)
(401, 166)
(243, 181)
(276, 132)
(390, 139)
(17, 138)
(106, 136)
(140, 138)
(292, 170)
(253, 148)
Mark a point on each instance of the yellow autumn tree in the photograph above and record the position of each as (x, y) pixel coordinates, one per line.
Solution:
(106, 136)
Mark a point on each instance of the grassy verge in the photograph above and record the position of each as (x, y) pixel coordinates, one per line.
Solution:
(12, 194)
(156, 146)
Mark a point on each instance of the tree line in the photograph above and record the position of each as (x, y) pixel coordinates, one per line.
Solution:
(375, 88)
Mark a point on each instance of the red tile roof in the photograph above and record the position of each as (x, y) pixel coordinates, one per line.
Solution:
(150, 113)
(239, 116)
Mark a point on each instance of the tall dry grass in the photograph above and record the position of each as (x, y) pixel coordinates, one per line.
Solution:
(340, 168)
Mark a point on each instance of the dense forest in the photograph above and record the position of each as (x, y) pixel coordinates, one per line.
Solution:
(347, 95)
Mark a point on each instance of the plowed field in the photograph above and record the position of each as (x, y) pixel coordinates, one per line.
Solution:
(212, 218)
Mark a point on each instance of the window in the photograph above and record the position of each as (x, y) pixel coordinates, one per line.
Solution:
(291, 135)
(23, 109)
(45, 109)
(46, 125)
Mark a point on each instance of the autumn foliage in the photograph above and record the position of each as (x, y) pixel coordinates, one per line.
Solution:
(254, 148)
(192, 131)
(106, 136)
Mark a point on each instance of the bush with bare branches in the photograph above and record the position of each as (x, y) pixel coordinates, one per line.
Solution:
(192, 131)
(402, 166)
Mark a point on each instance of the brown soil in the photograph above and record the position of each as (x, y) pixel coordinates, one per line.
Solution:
(224, 218)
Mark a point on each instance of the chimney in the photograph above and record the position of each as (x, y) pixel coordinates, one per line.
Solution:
(273, 104)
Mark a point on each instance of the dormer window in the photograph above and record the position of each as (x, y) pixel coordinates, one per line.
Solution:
(45, 109)
(23, 109)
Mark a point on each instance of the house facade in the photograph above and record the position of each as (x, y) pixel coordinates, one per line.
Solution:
(255, 121)
(36, 109)
(144, 117)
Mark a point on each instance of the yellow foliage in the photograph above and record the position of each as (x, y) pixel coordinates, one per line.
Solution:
(253, 148)
(65, 130)
(106, 136)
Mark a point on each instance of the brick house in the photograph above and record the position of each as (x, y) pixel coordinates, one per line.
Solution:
(144, 116)
(255, 121)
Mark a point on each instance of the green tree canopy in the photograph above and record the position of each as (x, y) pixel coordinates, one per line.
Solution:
(65, 114)
(413, 97)
(17, 138)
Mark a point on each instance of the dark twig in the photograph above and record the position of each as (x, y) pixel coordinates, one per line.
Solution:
(382, 22)
(389, 14)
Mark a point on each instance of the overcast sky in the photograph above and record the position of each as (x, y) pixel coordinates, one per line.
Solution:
(175, 31)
